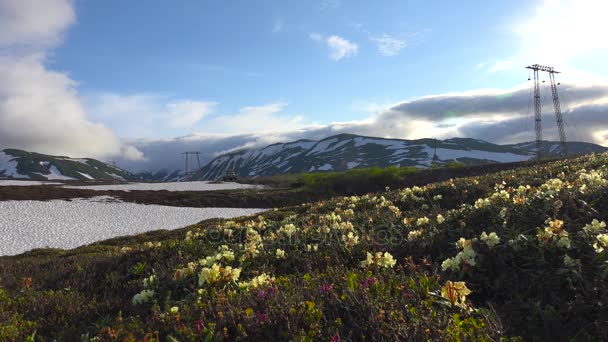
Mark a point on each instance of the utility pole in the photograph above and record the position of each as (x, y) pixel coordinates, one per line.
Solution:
(198, 159)
(537, 108)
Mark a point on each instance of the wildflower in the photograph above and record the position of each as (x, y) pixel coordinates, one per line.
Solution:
(437, 197)
(310, 247)
(482, 203)
(422, 221)
(440, 219)
(287, 230)
(350, 239)
(379, 259)
(414, 234)
(280, 253)
(174, 310)
(602, 242)
(449, 263)
(563, 242)
(143, 297)
(209, 275)
(455, 292)
(258, 281)
(554, 231)
(395, 210)
(595, 227)
(490, 239)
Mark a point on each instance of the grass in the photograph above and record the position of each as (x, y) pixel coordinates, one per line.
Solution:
(530, 244)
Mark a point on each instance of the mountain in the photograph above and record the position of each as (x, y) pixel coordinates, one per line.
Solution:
(348, 151)
(29, 165)
(161, 176)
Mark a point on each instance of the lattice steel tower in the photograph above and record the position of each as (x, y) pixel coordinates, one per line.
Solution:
(537, 109)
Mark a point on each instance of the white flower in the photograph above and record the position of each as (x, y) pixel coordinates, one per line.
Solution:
(490, 239)
(143, 297)
(280, 253)
(422, 221)
(440, 219)
(414, 234)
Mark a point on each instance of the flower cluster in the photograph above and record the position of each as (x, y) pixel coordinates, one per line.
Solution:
(262, 279)
(554, 231)
(490, 239)
(216, 273)
(465, 258)
(379, 259)
(455, 292)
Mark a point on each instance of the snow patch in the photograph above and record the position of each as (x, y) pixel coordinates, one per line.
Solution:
(8, 166)
(85, 175)
(55, 174)
(352, 164)
(25, 225)
(169, 186)
(25, 183)
(325, 167)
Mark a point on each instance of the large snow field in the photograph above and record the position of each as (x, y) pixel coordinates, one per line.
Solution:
(10, 182)
(25, 225)
(170, 186)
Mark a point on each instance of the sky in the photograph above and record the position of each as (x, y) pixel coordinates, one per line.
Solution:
(140, 82)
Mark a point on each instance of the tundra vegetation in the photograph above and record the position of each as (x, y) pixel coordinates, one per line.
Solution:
(513, 254)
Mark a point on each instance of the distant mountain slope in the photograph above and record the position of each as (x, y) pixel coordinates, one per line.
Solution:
(161, 176)
(347, 151)
(29, 165)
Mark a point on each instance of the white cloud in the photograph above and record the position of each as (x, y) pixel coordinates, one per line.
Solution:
(147, 115)
(40, 109)
(186, 113)
(496, 115)
(36, 22)
(561, 30)
(388, 45)
(255, 119)
(341, 48)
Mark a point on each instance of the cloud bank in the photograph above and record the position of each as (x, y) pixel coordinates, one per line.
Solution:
(499, 116)
(40, 109)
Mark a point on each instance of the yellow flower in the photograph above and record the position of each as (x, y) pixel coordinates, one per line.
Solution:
(455, 291)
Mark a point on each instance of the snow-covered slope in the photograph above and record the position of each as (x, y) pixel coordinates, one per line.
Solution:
(28, 165)
(347, 151)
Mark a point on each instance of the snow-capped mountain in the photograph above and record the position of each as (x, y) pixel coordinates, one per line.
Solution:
(29, 165)
(348, 151)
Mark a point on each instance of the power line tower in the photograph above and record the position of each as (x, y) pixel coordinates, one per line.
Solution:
(556, 105)
(197, 159)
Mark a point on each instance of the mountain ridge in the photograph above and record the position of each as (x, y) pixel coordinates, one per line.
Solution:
(347, 151)
(20, 164)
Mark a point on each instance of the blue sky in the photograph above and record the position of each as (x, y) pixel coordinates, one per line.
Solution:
(249, 53)
(111, 79)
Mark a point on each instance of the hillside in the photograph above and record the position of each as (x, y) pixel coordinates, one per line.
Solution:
(29, 165)
(515, 253)
(347, 151)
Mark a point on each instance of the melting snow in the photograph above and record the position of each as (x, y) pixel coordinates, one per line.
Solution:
(8, 166)
(325, 167)
(171, 186)
(85, 175)
(352, 164)
(25, 225)
(24, 183)
(56, 174)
